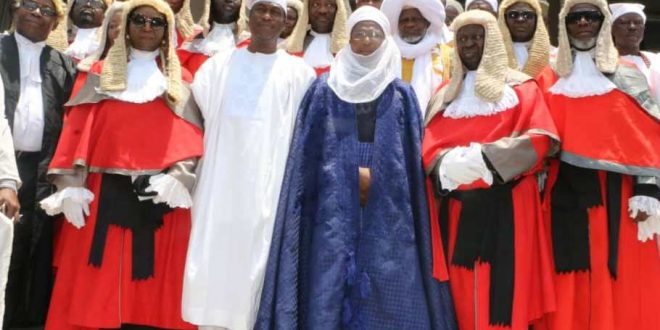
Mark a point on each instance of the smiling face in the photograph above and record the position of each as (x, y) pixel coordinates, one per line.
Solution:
(583, 23)
(147, 28)
(470, 45)
(33, 24)
(225, 11)
(87, 14)
(628, 32)
(322, 15)
(521, 21)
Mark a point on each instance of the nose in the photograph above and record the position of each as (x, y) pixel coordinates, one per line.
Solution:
(583, 21)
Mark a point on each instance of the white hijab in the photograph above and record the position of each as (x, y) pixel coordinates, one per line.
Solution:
(360, 79)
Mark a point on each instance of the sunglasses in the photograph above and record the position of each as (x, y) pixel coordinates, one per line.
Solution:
(32, 6)
(525, 15)
(589, 16)
(141, 21)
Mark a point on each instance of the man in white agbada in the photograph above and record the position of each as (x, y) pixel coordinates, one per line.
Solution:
(87, 16)
(629, 23)
(421, 35)
(249, 98)
(490, 6)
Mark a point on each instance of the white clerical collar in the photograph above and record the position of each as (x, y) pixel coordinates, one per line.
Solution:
(467, 104)
(29, 58)
(85, 43)
(521, 51)
(220, 38)
(144, 79)
(27, 44)
(585, 79)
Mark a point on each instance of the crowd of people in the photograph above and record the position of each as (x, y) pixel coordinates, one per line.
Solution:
(327, 164)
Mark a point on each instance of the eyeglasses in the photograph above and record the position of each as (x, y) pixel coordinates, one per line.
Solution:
(525, 15)
(589, 16)
(362, 35)
(141, 21)
(32, 6)
(96, 4)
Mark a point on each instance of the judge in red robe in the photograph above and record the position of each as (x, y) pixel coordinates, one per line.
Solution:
(220, 33)
(601, 201)
(124, 167)
(487, 133)
(320, 33)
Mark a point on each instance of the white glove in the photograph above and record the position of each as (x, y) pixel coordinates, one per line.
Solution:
(651, 206)
(463, 165)
(169, 190)
(73, 202)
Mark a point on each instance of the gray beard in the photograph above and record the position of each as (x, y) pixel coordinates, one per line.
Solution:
(412, 39)
(583, 45)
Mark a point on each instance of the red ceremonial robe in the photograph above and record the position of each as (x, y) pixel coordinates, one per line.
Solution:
(608, 133)
(111, 136)
(515, 142)
(190, 60)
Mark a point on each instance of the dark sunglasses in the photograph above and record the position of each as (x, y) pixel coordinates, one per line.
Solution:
(526, 15)
(31, 6)
(589, 16)
(141, 21)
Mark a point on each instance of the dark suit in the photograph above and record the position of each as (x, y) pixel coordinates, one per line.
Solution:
(30, 274)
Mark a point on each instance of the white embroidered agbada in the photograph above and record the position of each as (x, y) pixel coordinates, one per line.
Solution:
(249, 102)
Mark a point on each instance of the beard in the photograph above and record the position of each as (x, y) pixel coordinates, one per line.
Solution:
(412, 39)
(583, 45)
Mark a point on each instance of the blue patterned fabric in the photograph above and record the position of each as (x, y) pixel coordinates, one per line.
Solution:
(334, 265)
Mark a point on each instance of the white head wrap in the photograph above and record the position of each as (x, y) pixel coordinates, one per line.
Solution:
(620, 9)
(279, 3)
(433, 11)
(360, 79)
(493, 3)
